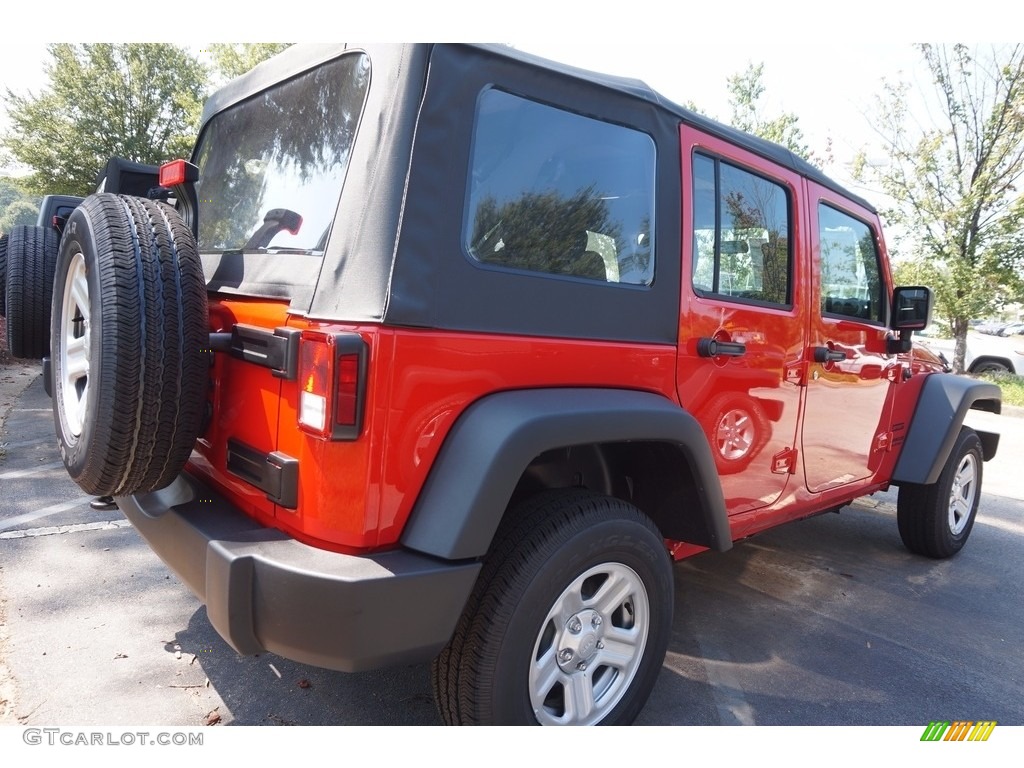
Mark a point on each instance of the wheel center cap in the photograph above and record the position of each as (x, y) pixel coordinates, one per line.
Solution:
(581, 639)
(587, 645)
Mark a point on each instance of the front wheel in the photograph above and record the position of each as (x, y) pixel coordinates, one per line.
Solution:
(569, 621)
(935, 520)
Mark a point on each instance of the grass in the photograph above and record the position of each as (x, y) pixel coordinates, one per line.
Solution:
(1012, 386)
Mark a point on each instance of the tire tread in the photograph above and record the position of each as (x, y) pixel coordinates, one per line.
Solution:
(152, 364)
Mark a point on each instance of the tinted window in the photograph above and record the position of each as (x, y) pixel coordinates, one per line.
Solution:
(554, 192)
(271, 168)
(851, 284)
(741, 233)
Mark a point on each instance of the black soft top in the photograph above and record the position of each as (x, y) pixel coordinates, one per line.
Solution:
(299, 58)
(393, 252)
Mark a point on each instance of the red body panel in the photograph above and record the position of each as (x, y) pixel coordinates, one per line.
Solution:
(357, 495)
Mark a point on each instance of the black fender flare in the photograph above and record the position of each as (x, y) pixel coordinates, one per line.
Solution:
(942, 405)
(495, 439)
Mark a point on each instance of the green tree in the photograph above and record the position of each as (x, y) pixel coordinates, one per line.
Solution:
(140, 101)
(954, 182)
(234, 59)
(19, 212)
(746, 90)
(16, 206)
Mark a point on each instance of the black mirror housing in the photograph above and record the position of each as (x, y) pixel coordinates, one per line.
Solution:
(911, 308)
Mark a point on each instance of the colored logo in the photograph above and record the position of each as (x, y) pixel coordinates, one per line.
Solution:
(960, 730)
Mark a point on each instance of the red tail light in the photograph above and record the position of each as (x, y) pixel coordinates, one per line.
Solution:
(346, 410)
(332, 384)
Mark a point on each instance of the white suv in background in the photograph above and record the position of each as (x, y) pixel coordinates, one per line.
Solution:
(985, 353)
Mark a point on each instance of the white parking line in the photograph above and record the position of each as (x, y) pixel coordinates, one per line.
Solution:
(53, 509)
(16, 473)
(34, 532)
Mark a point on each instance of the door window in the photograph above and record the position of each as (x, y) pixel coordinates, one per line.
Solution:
(741, 234)
(851, 283)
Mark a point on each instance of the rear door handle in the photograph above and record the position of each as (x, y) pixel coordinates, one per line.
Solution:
(713, 348)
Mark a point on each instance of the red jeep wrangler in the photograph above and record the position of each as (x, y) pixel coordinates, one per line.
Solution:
(446, 351)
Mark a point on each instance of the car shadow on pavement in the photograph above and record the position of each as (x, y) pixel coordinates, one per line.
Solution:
(268, 690)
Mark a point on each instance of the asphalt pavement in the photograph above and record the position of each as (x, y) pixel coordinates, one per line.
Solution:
(828, 621)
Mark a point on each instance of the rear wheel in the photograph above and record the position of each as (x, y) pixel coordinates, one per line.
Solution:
(31, 255)
(130, 329)
(569, 621)
(935, 520)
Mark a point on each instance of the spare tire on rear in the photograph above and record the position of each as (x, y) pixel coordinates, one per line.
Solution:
(130, 351)
(30, 258)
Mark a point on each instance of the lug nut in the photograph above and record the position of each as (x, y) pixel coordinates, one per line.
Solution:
(600, 645)
(582, 666)
(596, 621)
(565, 655)
(575, 627)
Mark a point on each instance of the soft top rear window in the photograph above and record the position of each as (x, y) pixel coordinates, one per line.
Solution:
(271, 168)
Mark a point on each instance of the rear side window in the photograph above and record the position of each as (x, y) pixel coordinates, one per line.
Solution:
(741, 247)
(851, 283)
(557, 193)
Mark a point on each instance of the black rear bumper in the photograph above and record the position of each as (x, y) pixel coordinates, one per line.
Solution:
(265, 591)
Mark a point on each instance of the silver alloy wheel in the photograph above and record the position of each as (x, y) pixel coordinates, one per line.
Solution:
(73, 347)
(963, 493)
(590, 646)
(735, 434)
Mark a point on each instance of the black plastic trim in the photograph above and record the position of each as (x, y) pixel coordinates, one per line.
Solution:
(277, 350)
(276, 474)
(265, 591)
(941, 407)
(350, 344)
(492, 443)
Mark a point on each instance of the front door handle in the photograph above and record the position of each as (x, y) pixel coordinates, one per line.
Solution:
(826, 355)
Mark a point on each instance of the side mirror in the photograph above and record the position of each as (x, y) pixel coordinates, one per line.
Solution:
(911, 308)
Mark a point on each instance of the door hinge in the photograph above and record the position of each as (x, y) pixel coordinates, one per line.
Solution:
(883, 441)
(784, 462)
(796, 373)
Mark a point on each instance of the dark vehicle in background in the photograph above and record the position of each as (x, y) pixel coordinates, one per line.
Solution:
(28, 255)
